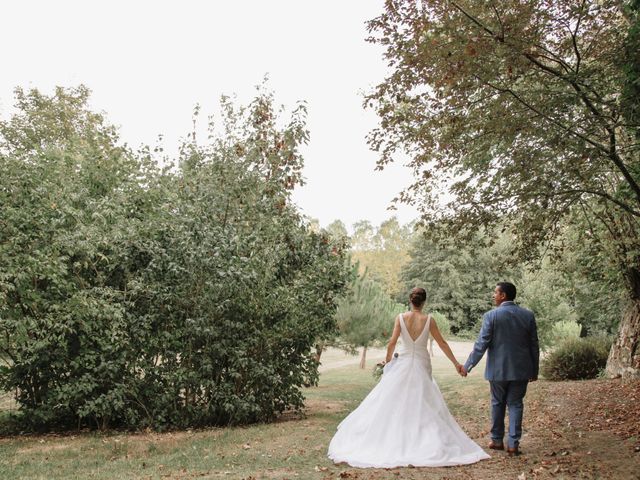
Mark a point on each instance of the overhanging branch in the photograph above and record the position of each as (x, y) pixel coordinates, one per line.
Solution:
(610, 150)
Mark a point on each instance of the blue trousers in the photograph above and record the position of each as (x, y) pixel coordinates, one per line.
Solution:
(507, 394)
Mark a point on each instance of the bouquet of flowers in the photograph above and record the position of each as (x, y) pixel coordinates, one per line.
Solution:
(378, 370)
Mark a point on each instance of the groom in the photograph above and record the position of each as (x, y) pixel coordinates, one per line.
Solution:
(509, 333)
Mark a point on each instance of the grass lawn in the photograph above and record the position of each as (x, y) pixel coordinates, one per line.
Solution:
(295, 447)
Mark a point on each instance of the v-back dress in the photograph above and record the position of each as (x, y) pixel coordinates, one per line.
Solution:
(404, 420)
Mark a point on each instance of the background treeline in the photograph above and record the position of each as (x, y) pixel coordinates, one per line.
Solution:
(135, 293)
(571, 289)
(524, 116)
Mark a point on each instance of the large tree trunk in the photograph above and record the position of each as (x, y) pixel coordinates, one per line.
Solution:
(624, 358)
(363, 359)
(319, 350)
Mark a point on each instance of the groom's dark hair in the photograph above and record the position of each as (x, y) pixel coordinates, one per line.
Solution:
(509, 289)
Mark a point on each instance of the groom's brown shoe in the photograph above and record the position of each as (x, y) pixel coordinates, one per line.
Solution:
(513, 452)
(496, 446)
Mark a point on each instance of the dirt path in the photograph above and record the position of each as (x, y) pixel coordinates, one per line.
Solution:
(333, 358)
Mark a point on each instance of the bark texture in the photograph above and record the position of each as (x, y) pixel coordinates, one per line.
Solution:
(363, 358)
(624, 358)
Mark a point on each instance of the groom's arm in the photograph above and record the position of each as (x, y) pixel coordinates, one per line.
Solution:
(482, 343)
(534, 348)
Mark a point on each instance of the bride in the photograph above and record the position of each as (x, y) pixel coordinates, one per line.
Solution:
(404, 419)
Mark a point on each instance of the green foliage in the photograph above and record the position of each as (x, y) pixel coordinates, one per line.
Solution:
(383, 252)
(459, 280)
(594, 285)
(378, 371)
(630, 65)
(543, 294)
(136, 296)
(337, 230)
(366, 315)
(571, 283)
(501, 113)
(577, 359)
(565, 329)
(574, 282)
(510, 117)
(443, 324)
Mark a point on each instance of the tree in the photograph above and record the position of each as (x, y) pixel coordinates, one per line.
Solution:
(383, 252)
(516, 108)
(365, 315)
(337, 230)
(584, 278)
(631, 66)
(543, 293)
(569, 284)
(459, 279)
(363, 237)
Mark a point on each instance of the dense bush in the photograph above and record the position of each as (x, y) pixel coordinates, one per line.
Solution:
(577, 359)
(136, 296)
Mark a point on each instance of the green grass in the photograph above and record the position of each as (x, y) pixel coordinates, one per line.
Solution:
(293, 447)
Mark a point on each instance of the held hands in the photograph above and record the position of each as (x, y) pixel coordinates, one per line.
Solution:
(461, 370)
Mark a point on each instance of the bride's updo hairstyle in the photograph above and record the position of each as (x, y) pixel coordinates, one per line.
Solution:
(418, 296)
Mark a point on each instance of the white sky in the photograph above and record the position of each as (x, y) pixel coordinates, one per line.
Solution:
(149, 62)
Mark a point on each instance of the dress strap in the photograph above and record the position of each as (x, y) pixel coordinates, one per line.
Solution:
(403, 325)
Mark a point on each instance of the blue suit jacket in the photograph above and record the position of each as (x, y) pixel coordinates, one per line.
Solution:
(510, 335)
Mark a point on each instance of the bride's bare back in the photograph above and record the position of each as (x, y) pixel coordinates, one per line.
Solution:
(415, 323)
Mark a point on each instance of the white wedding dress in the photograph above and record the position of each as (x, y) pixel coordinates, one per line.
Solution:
(404, 419)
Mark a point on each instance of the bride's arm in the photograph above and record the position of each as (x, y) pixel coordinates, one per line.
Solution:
(394, 339)
(437, 336)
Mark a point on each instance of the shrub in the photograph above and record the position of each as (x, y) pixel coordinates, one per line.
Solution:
(564, 330)
(132, 296)
(577, 359)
